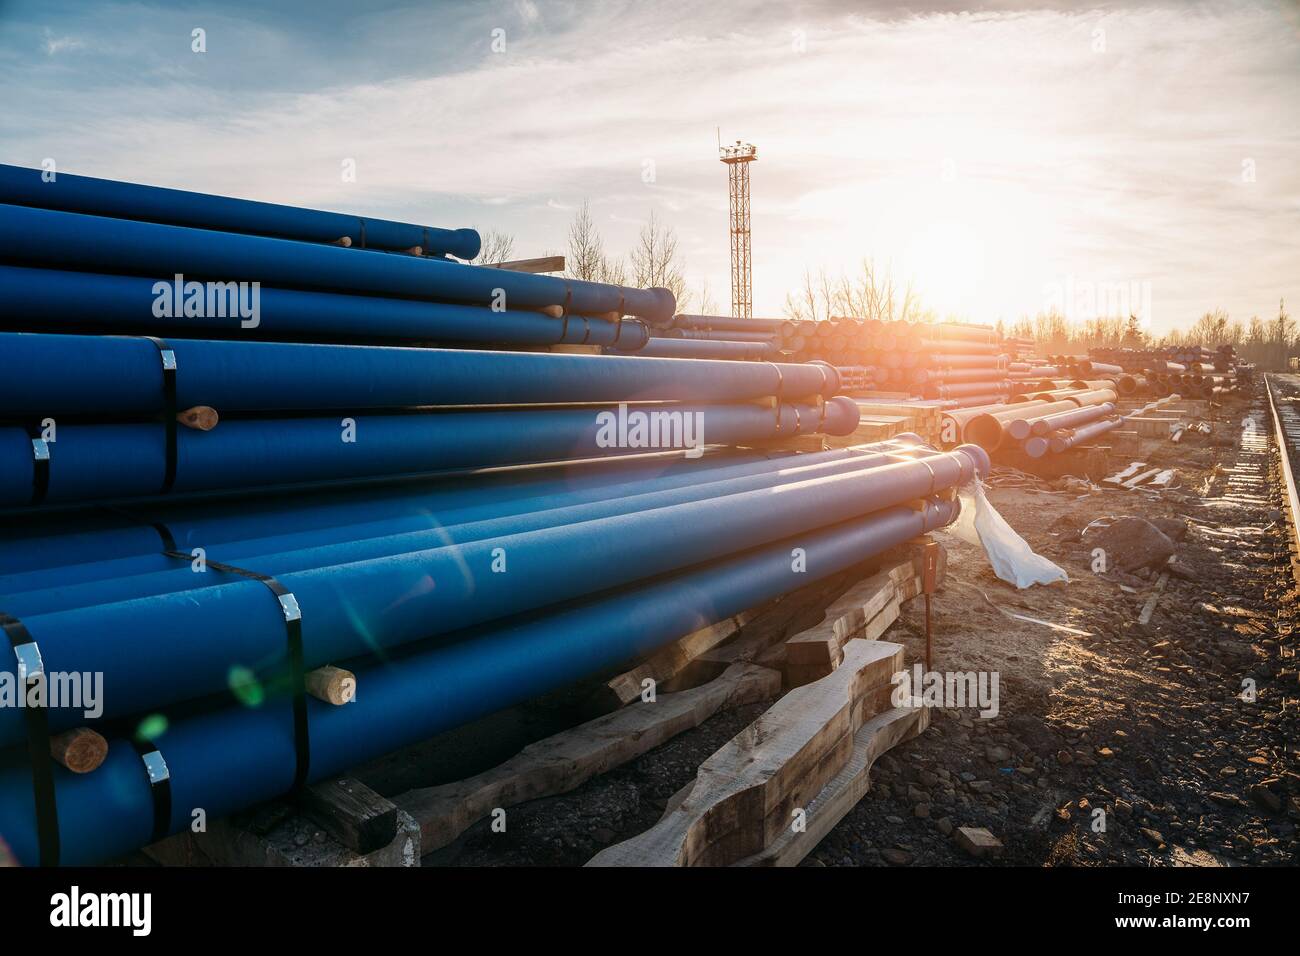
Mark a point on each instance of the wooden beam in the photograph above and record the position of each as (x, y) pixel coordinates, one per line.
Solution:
(566, 760)
(745, 793)
(352, 813)
(670, 661)
(878, 735)
(538, 265)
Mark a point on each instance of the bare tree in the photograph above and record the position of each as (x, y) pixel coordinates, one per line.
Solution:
(497, 247)
(585, 257)
(654, 261)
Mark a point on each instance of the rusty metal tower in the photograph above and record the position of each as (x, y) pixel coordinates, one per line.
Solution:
(737, 159)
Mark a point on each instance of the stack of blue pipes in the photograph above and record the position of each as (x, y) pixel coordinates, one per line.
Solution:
(201, 503)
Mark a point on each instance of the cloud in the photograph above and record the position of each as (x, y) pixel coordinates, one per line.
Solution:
(55, 45)
(934, 141)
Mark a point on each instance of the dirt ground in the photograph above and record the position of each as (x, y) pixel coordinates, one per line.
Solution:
(1152, 724)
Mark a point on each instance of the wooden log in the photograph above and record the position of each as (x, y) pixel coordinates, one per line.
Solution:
(745, 792)
(81, 749)
(567, 760)
(333, 685)
(877, 735)
(673, 659)
(352, 813)
(201, 418)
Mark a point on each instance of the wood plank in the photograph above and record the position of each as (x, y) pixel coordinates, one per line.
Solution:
(850, 615)
(1128, 472)
(352, 813)
(877, 735)
(567, 760)
(537, 265)
(670, 661)
(745, 791)
(1140, 478)
(1149, 607)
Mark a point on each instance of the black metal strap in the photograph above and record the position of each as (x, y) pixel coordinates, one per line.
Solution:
(160, 786)
(29, 669)
(168, 359)
(40, 464)
(297, 672)
(164, 532)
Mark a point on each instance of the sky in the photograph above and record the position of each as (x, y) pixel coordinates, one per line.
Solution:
(1004, 159)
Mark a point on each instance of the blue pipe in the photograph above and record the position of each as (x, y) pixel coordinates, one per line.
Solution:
(74, 241)
(67, 374)
(47, 300)
(226, 760)
(179, 207)
(107, 582)
(700, 349)
(369, 606)
(97, 462)
(45, 539)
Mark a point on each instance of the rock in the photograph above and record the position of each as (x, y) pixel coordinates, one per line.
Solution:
(981, 786)
(978, 842)
(1266, 798)
(1227, 799)
(944, 824)
(1132, 544)
(997, 754)
(1154, 836)
(1063, 758)
(921, 811)
(896, 857)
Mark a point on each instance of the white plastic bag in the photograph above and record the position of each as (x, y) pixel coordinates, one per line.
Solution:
(1011, 557)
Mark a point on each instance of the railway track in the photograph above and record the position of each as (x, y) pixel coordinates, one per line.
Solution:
(1283, 394)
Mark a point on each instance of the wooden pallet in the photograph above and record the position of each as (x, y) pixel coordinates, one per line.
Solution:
(762, 783)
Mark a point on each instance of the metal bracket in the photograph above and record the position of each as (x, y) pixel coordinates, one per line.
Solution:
(30, 664)
(289, 604)
(156, 767)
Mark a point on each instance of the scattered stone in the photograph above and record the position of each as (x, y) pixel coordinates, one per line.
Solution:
(896, 857)
(921, 811)
(1266, 798)
(945, 825)
(1132, 544)
(981, 786)
(997, 754)
(1064, 758)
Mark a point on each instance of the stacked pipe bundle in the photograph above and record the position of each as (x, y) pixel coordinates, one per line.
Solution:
(559, 514)
(1192, 371)
(1051, 421)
